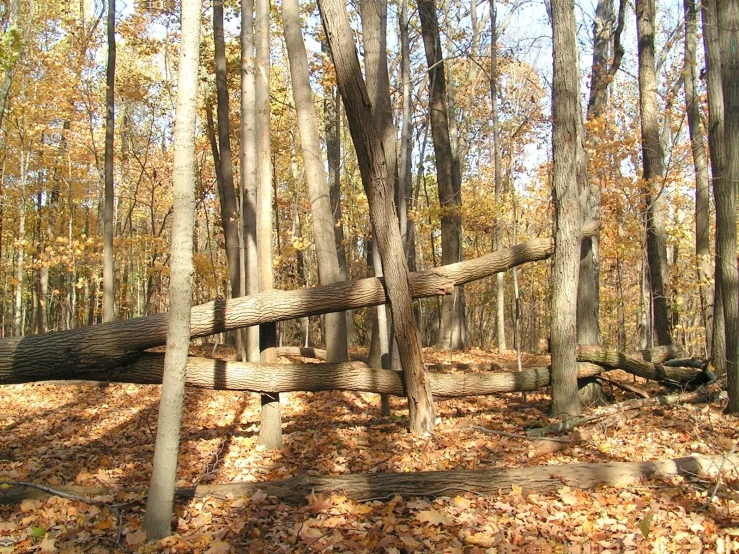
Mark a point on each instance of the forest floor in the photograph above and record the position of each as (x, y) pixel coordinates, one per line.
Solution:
(92, 436)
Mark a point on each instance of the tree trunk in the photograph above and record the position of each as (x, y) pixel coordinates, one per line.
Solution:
(332, 130)
(229, 213)
(566, 135)
(382, 212)
(452, 332)
(159, 506)
(39, 357)
(726, 193)
(700, 165)
(481, 481)
(274, 378)
(315, 173)
(717, 153)
(653, 173)
(270, 428)
(498, 176)
(108, 255)
(248, 153)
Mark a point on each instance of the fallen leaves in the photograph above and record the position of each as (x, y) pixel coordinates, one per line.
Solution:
(87, 436)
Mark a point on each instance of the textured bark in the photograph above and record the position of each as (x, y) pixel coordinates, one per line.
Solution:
(270, 428)
(36, 357)
(482, 481)
(700, 166)
(726, 195)
(108, 222)
(382, 211)
(566, 136)
(315, 174)
(607, 55)
(653, 173)
(452, 332)
(159, 506)
(226, 194)
(381, 486)
(248, 175)
(717, 153)
(498, 176)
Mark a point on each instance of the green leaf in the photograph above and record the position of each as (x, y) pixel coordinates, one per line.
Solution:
(38, 532)
(646, 524)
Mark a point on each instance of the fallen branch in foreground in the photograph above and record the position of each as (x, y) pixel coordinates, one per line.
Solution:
(704, 394)
(380, 486)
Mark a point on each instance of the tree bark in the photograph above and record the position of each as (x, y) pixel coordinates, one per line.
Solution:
(36, 357)
(498, 176)
(717, 153)
(229, 213)
(108, 222)
(381, 486)
(653, 173)
(726, 195)
(159, 506)
(379, 192)
(452, 332)
(318, 187)
(270, 428)
(700, 166)
(219, 374)
(482, 481)
(248, 175)
(566, 136)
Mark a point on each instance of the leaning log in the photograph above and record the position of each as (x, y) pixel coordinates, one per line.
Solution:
(383, 486)
(119, 343)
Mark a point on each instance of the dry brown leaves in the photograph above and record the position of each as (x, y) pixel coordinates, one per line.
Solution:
(96, 437)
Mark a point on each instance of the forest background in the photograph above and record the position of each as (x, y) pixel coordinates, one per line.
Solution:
(53, 135)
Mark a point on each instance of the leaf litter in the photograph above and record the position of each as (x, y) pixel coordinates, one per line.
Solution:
(101, 438)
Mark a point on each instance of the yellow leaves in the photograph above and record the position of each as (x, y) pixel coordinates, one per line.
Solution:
(433, 517)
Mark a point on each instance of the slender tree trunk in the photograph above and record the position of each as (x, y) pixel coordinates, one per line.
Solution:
(726, 201)
(452, 334)
(717, 154)
(270, 429)
(159, 506)
(332, 128)
(108, 222)
(566, 121)
(405, 183)
(318, 188)
(653, 166)
(384, 219)
(700, 165)
(248, 152)
(498, 176)
(229, 212)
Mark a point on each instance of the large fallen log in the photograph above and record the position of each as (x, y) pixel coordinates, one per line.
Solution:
(612, 359)
(68, 354)
(382, 486)
(351, 376)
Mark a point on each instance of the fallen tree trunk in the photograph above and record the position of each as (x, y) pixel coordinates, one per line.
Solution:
(381, 486)
(694, 397)
(116, 344)
(611, 359)
(352, 376)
